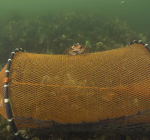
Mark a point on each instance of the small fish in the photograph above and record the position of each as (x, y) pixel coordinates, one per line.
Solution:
(122, 2)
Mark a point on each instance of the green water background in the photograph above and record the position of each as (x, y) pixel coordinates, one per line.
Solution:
(135, 12)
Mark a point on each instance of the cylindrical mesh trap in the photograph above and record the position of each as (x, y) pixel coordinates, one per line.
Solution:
(95, 89)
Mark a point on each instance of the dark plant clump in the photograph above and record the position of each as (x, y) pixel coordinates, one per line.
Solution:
(53, 33)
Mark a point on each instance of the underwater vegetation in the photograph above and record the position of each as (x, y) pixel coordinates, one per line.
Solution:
(54, 33)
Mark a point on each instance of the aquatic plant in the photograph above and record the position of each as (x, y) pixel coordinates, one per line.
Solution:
(54, 33)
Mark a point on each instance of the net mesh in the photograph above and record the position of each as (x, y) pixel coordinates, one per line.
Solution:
(45, 89)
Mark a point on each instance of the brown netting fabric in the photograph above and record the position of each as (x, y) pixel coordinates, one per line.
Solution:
(96, 90)
(2, 105)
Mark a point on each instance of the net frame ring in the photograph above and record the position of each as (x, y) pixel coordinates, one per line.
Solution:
(6, 98)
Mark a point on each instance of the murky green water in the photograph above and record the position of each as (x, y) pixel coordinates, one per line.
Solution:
(57, 24)
(135, 12)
